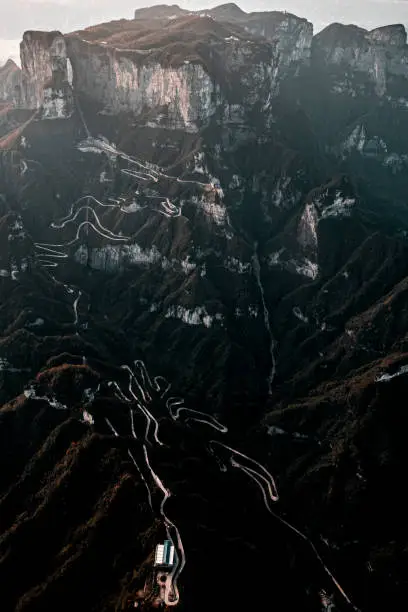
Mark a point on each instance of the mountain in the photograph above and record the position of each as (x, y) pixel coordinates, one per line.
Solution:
(10, 82)
(203, 266)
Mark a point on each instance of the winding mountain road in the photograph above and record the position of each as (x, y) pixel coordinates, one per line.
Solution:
(142, 390)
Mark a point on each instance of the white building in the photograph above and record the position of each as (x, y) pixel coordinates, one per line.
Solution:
(164, 555)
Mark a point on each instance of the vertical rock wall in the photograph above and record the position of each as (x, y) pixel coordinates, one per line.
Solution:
(379, 54)
(46, 74)
(120, 81)
(10, 83)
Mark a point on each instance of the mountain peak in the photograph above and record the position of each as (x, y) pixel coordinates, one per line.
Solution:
(227, 11)
(341, 33)
(159, 11)
(10, 65)
(395, 34)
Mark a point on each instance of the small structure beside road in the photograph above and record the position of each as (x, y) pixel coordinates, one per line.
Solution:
(164, 561)
(164, 555)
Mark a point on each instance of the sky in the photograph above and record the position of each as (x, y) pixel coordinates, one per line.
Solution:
(68, 15)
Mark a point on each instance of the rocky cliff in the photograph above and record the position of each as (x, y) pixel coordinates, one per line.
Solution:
(182, 83)
(124, 81)
(10, 83)
(381, 54)
(47, 76)
(179, 84)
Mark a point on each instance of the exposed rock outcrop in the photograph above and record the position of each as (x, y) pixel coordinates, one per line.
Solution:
(119, 81)
(292, 35)
(47, 77)
(379, 54)
(183, 83)
(177, 67)
(10, 83)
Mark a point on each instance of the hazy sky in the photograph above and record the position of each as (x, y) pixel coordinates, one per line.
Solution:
(67, 15)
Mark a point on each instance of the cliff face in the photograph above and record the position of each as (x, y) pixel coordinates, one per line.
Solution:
(122, 82)
(181, 84)
(380, 54)
(10, 83)
(292, 35)
(47, 77)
